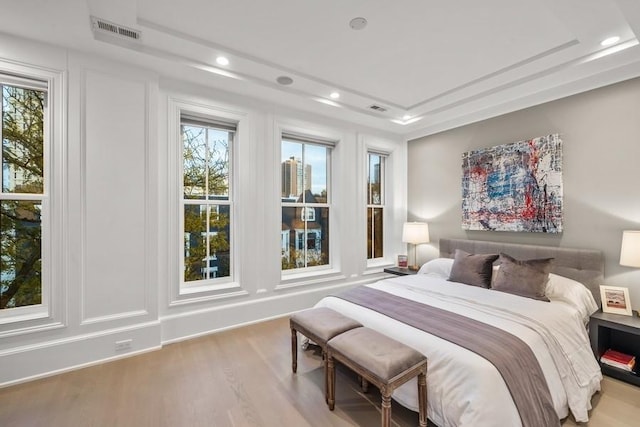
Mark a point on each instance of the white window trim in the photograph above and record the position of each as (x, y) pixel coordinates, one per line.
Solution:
(373, 145)
(382, 205)
(331, 271)
(51, 313)
(207, 284)
(210, 289)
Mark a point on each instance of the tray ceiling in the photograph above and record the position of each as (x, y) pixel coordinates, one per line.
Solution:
(429, 64)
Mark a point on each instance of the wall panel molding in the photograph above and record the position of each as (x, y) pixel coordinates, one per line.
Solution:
(53, 357)
(115, 196)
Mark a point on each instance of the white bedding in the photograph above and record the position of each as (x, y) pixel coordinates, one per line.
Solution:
(465, 389)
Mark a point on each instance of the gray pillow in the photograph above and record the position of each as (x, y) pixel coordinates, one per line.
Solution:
(525, 278)
(472, 269)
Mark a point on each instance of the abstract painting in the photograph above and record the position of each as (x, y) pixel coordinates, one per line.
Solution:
(514, 187)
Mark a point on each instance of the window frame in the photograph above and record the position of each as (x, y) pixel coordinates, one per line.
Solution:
(181, 292)
(395, 200)
(216, 282)
(383, 201)
(50, 312)
(293, 134)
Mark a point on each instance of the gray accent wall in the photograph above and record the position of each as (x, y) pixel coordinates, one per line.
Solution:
(600, 130)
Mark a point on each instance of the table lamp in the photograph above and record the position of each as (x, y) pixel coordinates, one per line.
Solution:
(415, 233)
(630, 248)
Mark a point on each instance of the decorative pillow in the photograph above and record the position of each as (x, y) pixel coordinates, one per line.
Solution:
(560, 288)
(525, 278)
(439, 267)
(472, 269)
(494, 273)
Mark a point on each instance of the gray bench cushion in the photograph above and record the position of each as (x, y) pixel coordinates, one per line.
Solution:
(384, 357)
(323, 322)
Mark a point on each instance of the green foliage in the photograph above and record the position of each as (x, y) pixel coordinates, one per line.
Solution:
(195, 220)
(205, 163)
(290, 262)
(23, 172)
(296, 259)
(205, 176)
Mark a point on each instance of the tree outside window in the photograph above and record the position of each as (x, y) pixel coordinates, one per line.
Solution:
(22, 196)
(206, 200)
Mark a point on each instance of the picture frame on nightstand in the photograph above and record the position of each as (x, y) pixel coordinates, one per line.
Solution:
(615, 300)
(403, 261)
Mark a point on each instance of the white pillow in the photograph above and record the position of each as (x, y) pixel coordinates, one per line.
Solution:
(439, 267)
(562, 288)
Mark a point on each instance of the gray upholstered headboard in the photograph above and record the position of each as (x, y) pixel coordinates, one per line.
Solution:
(584, 265)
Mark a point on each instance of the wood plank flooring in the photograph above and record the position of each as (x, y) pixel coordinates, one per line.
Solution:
(240, 377)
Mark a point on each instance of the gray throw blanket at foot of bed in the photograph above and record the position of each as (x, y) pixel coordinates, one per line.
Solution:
(517, 365)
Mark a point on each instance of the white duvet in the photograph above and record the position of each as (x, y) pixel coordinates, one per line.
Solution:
(464, 389)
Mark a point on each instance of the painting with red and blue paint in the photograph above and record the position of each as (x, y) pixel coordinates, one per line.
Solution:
(514, 187)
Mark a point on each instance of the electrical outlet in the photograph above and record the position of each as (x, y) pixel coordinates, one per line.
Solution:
(123, 345)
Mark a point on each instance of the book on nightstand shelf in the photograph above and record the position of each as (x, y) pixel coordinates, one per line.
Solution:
(618, 360)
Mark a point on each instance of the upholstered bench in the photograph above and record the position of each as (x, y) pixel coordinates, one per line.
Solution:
(383, 361)
(319, 325)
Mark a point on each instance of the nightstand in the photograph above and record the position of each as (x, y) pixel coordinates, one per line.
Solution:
(618, 332)
(399, 271)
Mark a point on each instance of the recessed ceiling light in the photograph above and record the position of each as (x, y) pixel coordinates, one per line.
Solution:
(328, 102)
(609, 41)
(284, 80)
(334, 95)
(358, 23)
(221, 60)
(406, 117)
(405, 122)
(610, 50)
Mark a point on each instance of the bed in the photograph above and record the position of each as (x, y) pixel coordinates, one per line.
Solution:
(464, 388)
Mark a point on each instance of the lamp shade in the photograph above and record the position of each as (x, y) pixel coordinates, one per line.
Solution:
(630, 250)
(415, 232)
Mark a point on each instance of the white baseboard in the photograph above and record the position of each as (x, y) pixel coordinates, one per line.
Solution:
(30, 362)
(41, 360)
(193, 324)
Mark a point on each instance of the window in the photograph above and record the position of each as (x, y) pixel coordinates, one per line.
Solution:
(308, 214)
(207, 147)
(305, 166)
(23, 199)
(375, 205)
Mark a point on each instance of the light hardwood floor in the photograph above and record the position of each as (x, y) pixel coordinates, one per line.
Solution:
(235, 378)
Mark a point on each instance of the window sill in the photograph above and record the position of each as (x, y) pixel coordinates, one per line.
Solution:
(309, 278)
(207, 287)
(31, 329)
(209, 292)
(377, 266)
(23, 314)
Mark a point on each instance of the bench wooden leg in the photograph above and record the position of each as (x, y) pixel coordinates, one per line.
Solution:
(294, 350)
(386, 410)
(364, 385)
(331, 386)
(422, 399)
(325, 363)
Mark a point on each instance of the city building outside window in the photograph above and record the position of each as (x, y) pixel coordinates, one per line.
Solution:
(305, 195)
(375, 204)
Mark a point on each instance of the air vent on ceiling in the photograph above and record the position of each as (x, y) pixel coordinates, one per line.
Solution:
(105, 27)
(377, 108)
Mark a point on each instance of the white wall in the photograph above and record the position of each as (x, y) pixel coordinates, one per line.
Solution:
(117, 268)
(600, 130)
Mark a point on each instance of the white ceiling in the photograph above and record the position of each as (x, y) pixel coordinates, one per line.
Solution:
(442, 63)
